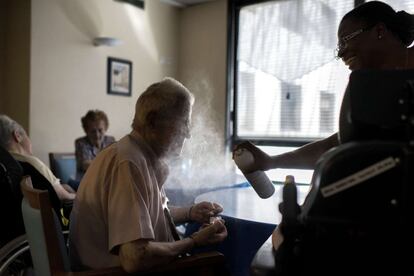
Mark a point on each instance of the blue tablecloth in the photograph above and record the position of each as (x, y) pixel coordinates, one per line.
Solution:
(243, 241)
(244, 237)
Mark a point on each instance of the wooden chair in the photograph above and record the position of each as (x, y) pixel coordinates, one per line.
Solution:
(49, 252)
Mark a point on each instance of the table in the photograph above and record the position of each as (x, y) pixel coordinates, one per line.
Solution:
(243, 203)
(250, 220)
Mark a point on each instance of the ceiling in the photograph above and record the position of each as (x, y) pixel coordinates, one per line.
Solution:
(185, 3)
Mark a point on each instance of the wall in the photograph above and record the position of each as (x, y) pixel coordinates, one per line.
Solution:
(68, 74)
(15, 60)
(3, 21)
(202, 68)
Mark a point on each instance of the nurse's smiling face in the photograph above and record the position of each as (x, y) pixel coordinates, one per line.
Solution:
(357, 45)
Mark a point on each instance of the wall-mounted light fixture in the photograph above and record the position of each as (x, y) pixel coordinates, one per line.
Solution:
(106, 41)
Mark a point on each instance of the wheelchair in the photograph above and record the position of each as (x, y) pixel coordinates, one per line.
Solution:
(357, 218)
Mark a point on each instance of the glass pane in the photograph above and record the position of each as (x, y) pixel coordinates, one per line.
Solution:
(289, 85)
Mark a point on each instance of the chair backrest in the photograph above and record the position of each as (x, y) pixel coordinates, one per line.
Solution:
(10, 197)
(40, 182)
(63, 165)
(43, 231)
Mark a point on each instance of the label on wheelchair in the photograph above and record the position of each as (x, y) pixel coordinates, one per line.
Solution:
(359, 177)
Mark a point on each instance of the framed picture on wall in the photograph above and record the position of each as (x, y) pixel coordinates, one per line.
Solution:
(119, 76)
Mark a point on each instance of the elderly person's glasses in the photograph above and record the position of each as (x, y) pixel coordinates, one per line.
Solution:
(342, 43)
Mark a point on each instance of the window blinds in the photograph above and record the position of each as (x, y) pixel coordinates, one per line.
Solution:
(289, 86)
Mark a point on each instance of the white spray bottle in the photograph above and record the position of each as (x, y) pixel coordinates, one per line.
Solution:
(258, 179)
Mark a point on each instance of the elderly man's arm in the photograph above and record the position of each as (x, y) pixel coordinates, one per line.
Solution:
(142, 255)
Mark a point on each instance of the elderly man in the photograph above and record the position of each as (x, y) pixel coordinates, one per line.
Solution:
(120, 215)
(14, 138)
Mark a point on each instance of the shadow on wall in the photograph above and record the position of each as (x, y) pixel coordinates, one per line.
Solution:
(84, 15)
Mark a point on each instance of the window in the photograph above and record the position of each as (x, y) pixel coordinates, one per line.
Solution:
(326, 112)
(288, 86)
(291, 107)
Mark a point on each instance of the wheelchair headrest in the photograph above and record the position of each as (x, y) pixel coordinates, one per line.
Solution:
(10, 174)
(381, 105)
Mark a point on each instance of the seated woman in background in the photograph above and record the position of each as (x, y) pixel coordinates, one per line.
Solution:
(14, 138)
(95, 124)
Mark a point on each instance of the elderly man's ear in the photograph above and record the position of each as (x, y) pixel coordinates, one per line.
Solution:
(17, 136)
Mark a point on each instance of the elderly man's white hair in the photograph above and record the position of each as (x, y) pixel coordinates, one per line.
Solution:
(7, 127)
(165, 99)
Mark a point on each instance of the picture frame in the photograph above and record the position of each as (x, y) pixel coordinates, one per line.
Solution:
(119, 80)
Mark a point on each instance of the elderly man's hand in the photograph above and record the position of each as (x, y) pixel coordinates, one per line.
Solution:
(210, 233)
(201, 212)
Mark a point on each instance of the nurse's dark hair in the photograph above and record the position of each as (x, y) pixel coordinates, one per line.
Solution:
(400, 23)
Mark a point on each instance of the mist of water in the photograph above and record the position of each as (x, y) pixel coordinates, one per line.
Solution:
(204, 163)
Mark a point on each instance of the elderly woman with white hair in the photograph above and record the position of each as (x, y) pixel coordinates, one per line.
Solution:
(14, 138)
